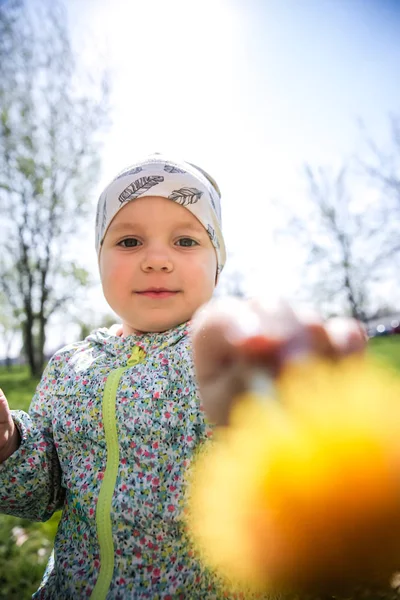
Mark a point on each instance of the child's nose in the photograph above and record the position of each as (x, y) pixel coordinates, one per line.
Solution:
(157, 259)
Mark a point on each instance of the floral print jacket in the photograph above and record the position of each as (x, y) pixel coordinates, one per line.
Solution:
(108, 439)
(110, 434)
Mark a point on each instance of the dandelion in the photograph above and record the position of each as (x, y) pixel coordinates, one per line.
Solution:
(301, 493)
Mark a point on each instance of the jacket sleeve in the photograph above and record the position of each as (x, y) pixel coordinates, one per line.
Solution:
(30, 479)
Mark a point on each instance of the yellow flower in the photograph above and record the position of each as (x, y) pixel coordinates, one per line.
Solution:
(303, 493)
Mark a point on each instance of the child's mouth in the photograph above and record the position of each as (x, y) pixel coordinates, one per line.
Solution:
(157, 293)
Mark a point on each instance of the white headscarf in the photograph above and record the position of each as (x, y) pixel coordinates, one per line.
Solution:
(181, 182)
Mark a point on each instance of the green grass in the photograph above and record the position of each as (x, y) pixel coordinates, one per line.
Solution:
(18, 386)
(22, 561)
(386, 348)
(22, 566)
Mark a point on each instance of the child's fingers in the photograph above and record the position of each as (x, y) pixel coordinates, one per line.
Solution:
(286, 335)
(276, 324)
(277, 318)
(289, 334)
(9, 436)
(4, 409)
(347, 335)
(219, 393)
(220, 373)
(232, 337)
(321, 338)
(216, 327)
(229, 330)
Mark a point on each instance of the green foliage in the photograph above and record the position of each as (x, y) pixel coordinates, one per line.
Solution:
(24, 550)
(22, 559)
(26, 166)
(18, 386)
(386, 348)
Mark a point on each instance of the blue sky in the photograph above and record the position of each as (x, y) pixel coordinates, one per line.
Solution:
(250, 90)
(230, 83)
(319, 65)
(291, 76)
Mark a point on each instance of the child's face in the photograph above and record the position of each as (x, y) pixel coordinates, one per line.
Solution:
(155, 243)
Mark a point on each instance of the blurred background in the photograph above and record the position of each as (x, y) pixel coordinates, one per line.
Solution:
(291, 105)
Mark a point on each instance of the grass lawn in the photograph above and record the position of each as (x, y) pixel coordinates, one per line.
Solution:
(387, 348)
(25, 546)
(18, 386)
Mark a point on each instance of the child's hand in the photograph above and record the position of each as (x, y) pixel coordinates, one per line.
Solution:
(9, 435)
(232, 337)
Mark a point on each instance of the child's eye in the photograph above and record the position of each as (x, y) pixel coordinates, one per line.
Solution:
(187, 242)
(129, 243)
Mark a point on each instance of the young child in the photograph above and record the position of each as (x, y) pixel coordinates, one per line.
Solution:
(116, 418)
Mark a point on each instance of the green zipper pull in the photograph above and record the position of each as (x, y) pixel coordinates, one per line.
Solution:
(136, 357)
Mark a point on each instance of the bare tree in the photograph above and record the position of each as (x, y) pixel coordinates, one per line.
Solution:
(51, 118)
(232, 281)
(383, 170)
(346, 246)
(384, 164)
(9, 327)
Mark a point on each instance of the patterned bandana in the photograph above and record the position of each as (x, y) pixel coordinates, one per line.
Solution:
(181, 182)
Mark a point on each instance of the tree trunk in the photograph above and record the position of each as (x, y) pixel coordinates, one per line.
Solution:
(29, 345)
(8, 340)
(41, 342)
